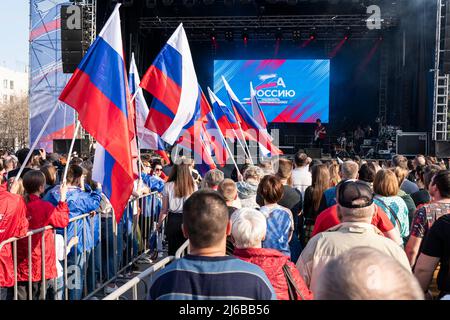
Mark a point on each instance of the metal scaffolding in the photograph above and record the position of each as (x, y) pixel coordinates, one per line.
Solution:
(441, 79)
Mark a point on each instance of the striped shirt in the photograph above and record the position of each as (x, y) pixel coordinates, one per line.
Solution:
(211, 278)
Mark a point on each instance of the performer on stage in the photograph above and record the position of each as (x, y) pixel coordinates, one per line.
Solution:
(320, 134)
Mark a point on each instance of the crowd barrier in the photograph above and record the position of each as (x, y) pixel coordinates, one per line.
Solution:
(87, 269)
(148, 273)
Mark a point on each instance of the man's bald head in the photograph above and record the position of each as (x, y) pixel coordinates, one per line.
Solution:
(365, 273)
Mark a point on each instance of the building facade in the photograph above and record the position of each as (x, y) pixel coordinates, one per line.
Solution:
(13, 85)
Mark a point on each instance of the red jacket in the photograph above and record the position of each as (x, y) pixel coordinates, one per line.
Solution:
(13, 223)
(272, 262)
(40, 214)
(329, 218)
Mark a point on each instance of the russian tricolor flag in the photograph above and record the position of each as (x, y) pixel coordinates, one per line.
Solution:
(147, 139)
(226, 120)
(98, 91)
(258, 114)
(250, 126)
(172, 81)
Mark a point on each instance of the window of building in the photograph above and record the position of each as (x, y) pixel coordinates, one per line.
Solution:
(5, 84)
(11, 99)
(5, 98)
(11, 85)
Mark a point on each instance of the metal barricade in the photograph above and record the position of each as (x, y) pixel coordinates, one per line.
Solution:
(183, 250)
(97, 261)
(133, 283)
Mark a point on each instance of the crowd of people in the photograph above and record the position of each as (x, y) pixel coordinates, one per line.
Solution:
(284, 229)
(303, 229)
(81, 215)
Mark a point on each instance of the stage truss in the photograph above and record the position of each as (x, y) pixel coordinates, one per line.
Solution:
(300, 27)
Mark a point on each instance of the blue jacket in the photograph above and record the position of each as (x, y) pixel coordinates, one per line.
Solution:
(80, 202)
(154, 183)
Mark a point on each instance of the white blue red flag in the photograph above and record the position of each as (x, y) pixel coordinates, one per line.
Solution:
(252, 129)
(202, 137)
(172, 81)
(98, 91)
(226, 120)
(258, 114)
(147, 139)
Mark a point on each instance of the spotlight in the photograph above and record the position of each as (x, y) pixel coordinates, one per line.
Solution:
(229, 35)
(151, 4)
(312, 34)
(189, 3)
(348, 33)
(245, 36)
(278, 35)
(213, 36)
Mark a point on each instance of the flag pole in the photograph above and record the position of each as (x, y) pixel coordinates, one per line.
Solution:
(69, 156)
(225, 141)
(245, 144)
(47, 122)
(227, 87)
(135, 94)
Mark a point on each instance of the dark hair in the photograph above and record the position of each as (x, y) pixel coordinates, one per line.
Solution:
(182, 178)
(49, 172)
(300, 159)
(74, 175)
(430, 170)
(285, 170)
(205, 218)
(271, 189)
(33, 180)
(22, 155)
(320, 182)
(442, 181)
(420, 172)
(400, 161)
(367, 172)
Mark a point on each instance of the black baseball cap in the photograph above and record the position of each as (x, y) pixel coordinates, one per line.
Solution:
(351, 191)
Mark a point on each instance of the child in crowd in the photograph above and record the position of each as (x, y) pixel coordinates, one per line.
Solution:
(39, 214)
(280, 222)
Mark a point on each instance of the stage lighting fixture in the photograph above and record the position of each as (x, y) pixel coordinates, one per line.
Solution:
(278, 35)
(229, 35)
(348, 33)
(296, 35)
(189, 3)
(245, 36)
(313, 34)
(150, 4)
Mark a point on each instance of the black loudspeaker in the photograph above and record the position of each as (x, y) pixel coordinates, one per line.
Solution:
(314, 153)
(62, 146)
(412, 143)
(442, 149)
(73, 45)
(81, 146)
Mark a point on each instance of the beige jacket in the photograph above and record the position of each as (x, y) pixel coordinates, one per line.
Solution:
(327, 245)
